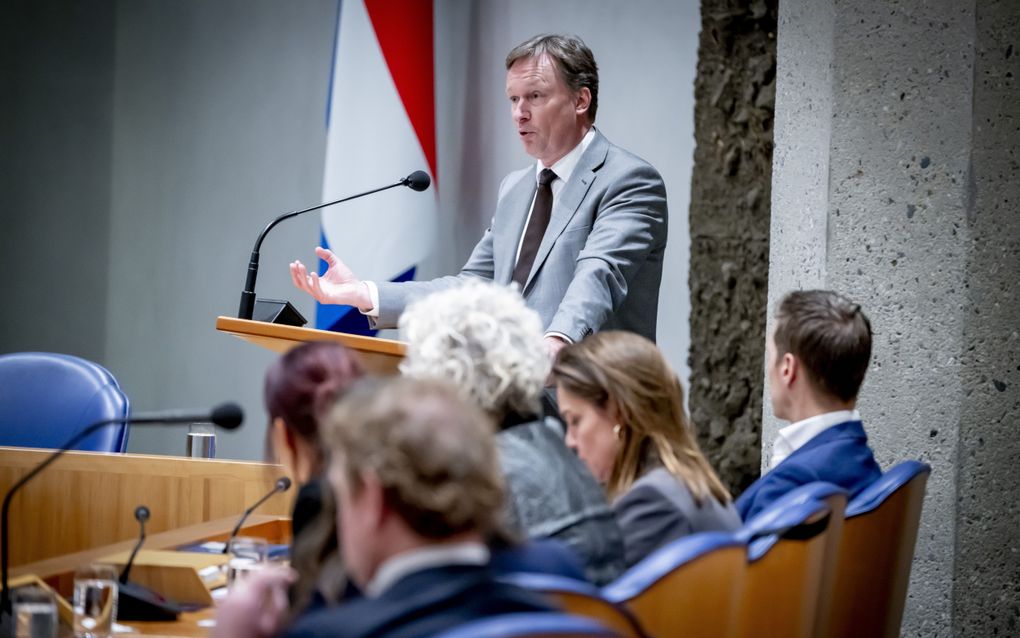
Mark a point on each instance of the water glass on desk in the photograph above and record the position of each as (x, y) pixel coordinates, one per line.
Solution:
(35, 613)
(247, 554)
(201, 441)
(95, 601)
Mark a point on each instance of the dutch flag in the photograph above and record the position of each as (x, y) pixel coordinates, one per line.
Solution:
(380, 122)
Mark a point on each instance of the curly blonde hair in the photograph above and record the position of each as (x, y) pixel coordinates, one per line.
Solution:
(481, 338)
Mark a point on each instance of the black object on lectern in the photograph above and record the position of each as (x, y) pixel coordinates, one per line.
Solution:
(278, 311)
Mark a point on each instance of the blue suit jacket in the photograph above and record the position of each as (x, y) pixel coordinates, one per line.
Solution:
(839, 455)
(421, 604)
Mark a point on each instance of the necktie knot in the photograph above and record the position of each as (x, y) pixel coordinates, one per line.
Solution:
(546, 177)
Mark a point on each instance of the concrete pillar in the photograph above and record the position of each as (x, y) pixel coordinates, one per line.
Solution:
(894, 182)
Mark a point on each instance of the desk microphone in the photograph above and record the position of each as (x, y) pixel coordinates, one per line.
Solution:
(141, 515)
(282, 485)
(416, 181)
(138, 602)
(227, 416)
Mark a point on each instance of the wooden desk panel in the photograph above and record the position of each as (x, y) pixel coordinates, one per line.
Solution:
(88, 499)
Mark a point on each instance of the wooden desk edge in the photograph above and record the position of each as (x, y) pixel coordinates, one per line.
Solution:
(246, 328)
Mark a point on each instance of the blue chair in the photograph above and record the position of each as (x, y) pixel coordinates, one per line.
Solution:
(45, 399)
(788, 545)
(580, 598)
(689, 587)
(531, 625)
(875, 553)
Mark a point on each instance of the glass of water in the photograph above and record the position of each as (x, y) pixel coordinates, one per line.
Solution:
(35, 613)
(201, 441)
(247, 554)
(95, 601)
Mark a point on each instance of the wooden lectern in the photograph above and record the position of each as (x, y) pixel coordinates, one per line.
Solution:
(380, 356)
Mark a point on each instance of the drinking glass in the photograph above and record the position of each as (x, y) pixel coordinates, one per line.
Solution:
(201, 441)
(247, 554)
(35, 613)
(95, 601)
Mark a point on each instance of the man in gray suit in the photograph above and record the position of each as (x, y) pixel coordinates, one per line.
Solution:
(582, 232)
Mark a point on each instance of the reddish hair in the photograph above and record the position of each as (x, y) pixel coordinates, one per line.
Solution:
(303, 384)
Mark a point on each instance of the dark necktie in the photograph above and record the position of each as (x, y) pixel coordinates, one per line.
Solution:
(541, 211)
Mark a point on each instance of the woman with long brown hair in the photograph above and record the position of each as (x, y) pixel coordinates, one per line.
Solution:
(623, 406)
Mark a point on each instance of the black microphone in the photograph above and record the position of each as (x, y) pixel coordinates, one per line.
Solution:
(138, 602)
(227, 415)
(416, 181)
(141, 515)
(282, 485)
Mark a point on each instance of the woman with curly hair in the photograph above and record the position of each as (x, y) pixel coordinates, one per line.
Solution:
(624, 410)
(482, 339)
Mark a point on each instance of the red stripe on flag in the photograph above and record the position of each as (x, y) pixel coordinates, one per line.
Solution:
(404, 31)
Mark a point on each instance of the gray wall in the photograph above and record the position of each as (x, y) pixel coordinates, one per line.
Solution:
(212, 120)
(894, 181)
(56, 84)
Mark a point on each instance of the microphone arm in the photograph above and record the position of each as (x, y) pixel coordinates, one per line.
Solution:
(413, 181)
(141, 515)
(226, 415)
(282, 485)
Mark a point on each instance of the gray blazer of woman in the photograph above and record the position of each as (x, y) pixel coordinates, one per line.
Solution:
(658, 508)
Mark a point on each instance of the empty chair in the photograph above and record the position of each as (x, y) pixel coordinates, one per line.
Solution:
(46, 398)
(875, 552)
(531, 625)
(788, 544)
(688, 588)
(582, 599)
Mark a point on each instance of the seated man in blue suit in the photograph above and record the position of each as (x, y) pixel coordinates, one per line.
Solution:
(418, 485)
(816, 356)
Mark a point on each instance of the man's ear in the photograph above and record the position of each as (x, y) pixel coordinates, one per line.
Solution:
(789, 369)
(582, 100)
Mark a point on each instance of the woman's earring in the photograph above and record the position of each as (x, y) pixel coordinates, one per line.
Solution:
(616, 430)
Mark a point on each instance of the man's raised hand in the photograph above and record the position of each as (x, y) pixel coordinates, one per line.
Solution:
(337, 286)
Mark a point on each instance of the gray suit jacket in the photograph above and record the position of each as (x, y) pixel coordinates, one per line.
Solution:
(658, 509)
(599, 265)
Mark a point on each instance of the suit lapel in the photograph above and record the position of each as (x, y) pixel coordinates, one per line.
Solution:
(570, 198)
(517, 203)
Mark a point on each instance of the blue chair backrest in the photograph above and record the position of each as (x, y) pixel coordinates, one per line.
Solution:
(875, 494)
(792, 509)
(764, 530)
(581, 598)
(46, 398)
(530, 624)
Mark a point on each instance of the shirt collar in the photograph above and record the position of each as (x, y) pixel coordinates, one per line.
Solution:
(796, 435)
(566, 164)
(416, 560)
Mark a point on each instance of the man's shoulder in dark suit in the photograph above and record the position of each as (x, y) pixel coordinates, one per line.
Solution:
(421, 604)
(840, 455)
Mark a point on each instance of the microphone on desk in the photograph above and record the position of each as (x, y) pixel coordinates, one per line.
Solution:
(282, 485)
(138, 602)
(141, 515)
(416, 181)
(228, 416)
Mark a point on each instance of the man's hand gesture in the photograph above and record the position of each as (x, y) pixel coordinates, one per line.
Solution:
(338, 286)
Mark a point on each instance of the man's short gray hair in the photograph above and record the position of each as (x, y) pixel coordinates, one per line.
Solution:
(481, 338)
(573, 59)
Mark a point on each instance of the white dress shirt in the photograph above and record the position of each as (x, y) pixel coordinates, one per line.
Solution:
(796, 435)
(416, 560)
(563, 168)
